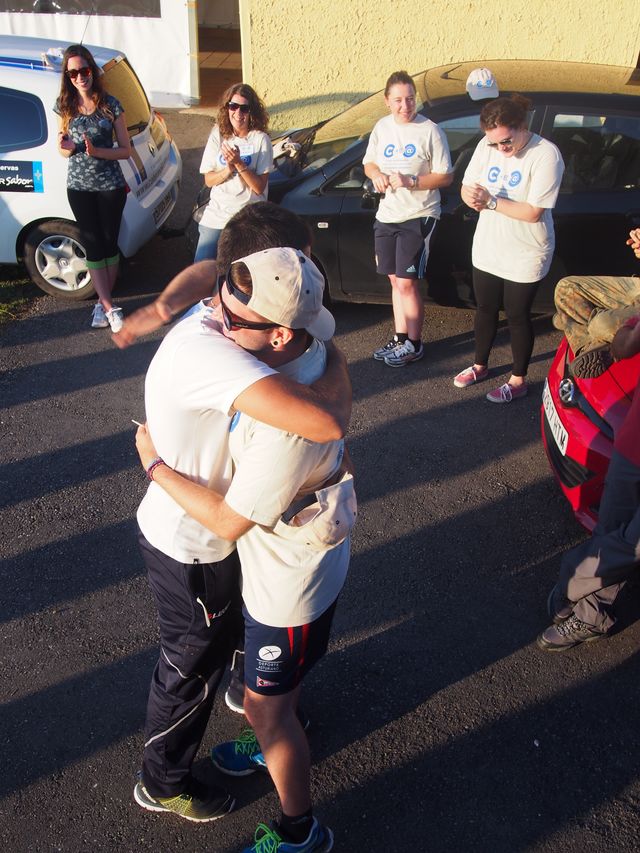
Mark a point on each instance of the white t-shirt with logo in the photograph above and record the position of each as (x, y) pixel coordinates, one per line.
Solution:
(417, 148)
(190, 387)
(231, 196)
(284, 582)
(507, 247)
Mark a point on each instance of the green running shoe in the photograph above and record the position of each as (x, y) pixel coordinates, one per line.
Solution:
(199, 803)
(241, 756)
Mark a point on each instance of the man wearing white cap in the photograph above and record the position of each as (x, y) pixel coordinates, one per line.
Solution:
(291, 509)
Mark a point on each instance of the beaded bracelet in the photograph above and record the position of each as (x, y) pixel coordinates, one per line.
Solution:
(152, 467)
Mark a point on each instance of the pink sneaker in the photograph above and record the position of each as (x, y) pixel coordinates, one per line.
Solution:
(506, 393)
(469, 376)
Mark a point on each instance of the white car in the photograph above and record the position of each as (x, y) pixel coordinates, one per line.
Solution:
(37, 225)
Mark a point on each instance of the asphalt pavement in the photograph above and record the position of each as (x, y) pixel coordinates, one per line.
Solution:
(437, 724)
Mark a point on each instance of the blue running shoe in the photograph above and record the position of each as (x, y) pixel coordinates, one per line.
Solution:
(239, 757)
(267, 840)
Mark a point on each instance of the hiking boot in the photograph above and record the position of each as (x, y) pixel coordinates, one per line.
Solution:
(567, 634)
(115, 318)
(469, 376)
(199, 803)
(99, 318)
(234, 696)
(559, 321)
(239, 757)
(387, 349)
(268, 839)
(404, 354)
(591, 363)
(506, 393)
(558, 606)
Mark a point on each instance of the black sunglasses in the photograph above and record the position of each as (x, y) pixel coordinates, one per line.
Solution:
(83, 72)
(508, 141)
(244, 108)
(232, 322)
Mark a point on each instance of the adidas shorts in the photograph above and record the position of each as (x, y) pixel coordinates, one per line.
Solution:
(277, 659)
(402, 248)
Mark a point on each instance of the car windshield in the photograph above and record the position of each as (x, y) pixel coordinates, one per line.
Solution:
(340, 132)
(120, 81)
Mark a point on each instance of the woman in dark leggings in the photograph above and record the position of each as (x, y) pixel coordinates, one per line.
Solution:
(89, 119)
(513, 181)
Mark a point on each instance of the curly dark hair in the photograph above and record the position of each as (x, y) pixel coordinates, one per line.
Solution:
(505, 112)
(67, 102)
(258, 115)
(401, 77)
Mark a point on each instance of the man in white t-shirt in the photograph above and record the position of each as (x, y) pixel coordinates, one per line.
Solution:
(291, 509)
(197, 380)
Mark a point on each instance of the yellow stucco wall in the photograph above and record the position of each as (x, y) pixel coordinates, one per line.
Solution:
(310, 60)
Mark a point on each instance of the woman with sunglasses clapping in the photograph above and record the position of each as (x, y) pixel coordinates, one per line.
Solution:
(236, 163)
(513, 181)
(88, 120)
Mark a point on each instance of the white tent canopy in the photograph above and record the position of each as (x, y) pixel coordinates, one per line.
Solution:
(159, 37)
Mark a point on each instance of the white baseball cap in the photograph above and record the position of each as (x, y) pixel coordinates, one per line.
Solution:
(482, 84)
(287, 290)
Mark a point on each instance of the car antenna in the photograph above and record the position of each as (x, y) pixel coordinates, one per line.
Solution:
(445, 74)
(93, 12)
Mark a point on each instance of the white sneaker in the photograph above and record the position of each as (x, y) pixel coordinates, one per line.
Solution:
(115, 319)
(99, 318)
(404, 354)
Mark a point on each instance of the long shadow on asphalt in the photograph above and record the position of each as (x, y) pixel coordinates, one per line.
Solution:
(69, 569)
(507, 785)
(71, 720)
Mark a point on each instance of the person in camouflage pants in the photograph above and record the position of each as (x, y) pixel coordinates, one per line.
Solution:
(591, 309)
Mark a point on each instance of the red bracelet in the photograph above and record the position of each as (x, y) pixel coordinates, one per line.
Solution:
(156, 462)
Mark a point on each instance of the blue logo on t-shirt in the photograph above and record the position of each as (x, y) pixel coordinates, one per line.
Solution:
(515, 179)
(409, 150)
(493, 174)
(389, 150)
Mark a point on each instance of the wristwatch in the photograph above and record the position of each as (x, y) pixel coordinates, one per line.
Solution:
(492, 203)
(414, 181)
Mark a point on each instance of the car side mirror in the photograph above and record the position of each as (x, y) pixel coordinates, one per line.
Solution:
(370, 198)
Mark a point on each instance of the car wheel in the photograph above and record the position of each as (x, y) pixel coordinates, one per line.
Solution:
(56, 260)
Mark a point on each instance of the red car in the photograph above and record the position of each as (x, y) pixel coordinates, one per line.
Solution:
(578, 420)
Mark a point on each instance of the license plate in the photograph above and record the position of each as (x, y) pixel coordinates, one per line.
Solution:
(161, 209)
(558, 431)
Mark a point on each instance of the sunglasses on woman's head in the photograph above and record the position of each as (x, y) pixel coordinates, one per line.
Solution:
(244, 108)
(83, 72)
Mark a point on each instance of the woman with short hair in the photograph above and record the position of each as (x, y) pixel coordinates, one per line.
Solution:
(407, 159)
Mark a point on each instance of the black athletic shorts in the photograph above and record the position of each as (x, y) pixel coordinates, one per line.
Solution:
(402, 248)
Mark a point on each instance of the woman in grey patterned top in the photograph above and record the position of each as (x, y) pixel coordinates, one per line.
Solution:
(88, 119)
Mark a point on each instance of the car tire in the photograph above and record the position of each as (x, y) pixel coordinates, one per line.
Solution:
(56, 260)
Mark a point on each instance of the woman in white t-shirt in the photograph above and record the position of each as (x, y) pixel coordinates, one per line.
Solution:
(513, 181)
(236, 163)
(407, 159)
